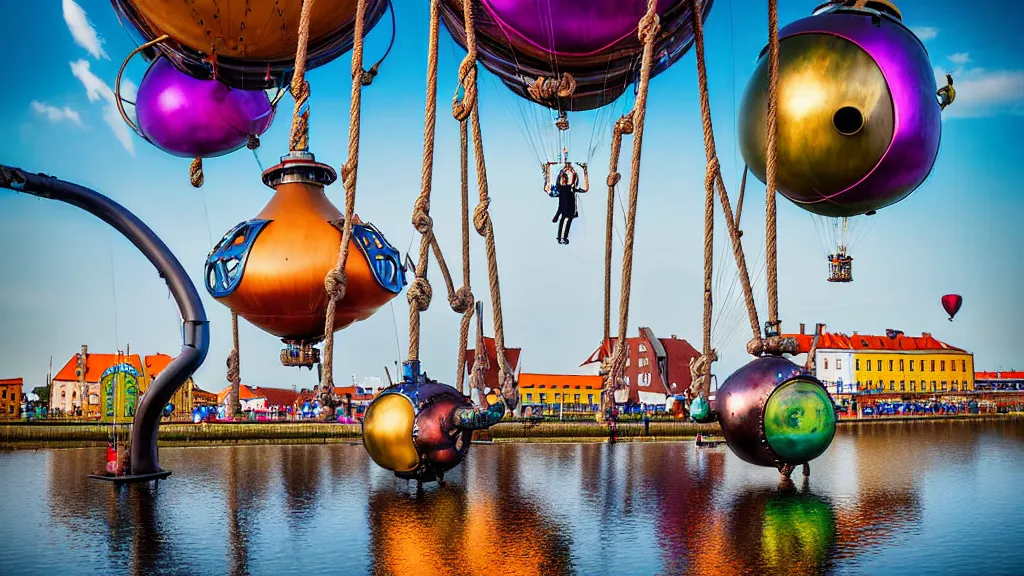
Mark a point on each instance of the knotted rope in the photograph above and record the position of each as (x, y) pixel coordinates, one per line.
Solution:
(623, 125)
(461, 108)
(336, 282)
(700, 370)
(300, 87)
(771, 165)
(548, 89)
(713, 166)
(647, 31)
(195, 173)
(420, 291)
(234, 370)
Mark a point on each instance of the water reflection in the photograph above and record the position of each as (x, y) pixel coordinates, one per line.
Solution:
(593, 509)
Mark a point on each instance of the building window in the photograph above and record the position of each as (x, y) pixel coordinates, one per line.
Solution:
(911, 365)
(963, 365)
(643, 348)
(577, 399)
(644, 362)
(956, 384)
(942, 365)
(590, 399)
(529, 397)
(543, 398)
(933, 385)
(826, 363)
(933, 366)
(892, 385)
(903, 385)
(913, 384)
(857, 364)
(943, 385)
(839, 363)
(868, 386)
(557, 396)
(5, 394)
(901, 365)
(952, 365)
(890, 365)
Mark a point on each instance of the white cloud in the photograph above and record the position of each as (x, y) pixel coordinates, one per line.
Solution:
(925, 33)
(129, 90)
(96, 89)
(54, 114)
(82, 31)
(960, 58)
(983, 93)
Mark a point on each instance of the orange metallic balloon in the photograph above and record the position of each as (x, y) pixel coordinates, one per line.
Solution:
(271, 270)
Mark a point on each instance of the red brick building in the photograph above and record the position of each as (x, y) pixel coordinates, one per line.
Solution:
(655, 367)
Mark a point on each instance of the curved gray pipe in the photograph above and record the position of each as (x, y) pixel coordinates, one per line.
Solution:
(195, 336)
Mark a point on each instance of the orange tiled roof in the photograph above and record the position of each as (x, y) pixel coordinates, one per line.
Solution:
(864, 342)
(12, 382)
(583, 381)
(156, 363)
(275, 396)
(244, 393)
(999, 375)
(95, 364)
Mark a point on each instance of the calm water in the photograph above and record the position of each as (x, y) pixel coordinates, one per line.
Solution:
(926, 498)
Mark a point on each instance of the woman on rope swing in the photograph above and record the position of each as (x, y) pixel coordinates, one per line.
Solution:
(565, 189)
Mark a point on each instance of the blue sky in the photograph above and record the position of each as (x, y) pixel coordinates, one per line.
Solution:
(65, 279)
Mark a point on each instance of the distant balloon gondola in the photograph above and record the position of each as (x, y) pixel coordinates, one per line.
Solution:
(951, 304)
(858, 117)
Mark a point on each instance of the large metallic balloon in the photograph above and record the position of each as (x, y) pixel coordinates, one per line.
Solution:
(194, 118)
(773, 413)
(859, 122)
(593, 40)
(253, 41)
(420, 428)
(270, 270)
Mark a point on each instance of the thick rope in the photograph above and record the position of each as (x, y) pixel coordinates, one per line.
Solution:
(647, 31)
(461, 108)
(739, 200)
(195, 173)
(300, 87)
(711, 170)
(548, 89)
(336, 281)
(623, 125)
(465, 293)
(712, 159)
(420, 292)
(771, 160)
(234, 371)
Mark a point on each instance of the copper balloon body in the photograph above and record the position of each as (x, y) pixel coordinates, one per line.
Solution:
(249, 45)
(773, 413)
(596, 41)
(858, 119)
(411, 429)
(271, 270)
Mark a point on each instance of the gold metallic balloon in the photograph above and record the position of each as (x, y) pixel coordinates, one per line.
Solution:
(387, 433)
(835, 115)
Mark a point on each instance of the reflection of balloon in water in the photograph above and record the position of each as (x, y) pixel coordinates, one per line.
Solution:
(951, 304)
(194, 118)
(420, 429)
(796, 531)
(248, 45)
(595, 41)
(270, 270)
(858, 120)
(773, 413)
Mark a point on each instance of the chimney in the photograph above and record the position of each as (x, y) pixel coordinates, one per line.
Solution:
(802, 328)
(674, 337)
(926, 334)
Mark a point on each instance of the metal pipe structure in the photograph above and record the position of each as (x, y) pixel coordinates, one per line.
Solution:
(196, 334)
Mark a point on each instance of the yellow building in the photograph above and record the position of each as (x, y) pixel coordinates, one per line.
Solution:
(566, 392)
(894, 363)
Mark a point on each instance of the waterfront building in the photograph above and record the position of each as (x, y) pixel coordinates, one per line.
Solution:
(655, 367)
(11, 398)
(183, 399)
(894, 363)
(560, 393)
(998, 381)
(75, 389)
(201, 397)
(259, 399)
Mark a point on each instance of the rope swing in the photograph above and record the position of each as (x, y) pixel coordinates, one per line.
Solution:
(614, 368)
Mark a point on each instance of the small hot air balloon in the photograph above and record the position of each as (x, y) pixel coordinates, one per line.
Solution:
(193, 118)
(951, 304)
(773, 413)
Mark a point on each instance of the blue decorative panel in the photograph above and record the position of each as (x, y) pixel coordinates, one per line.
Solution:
(226, 262)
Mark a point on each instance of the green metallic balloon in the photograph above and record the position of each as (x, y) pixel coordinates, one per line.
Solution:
(799, 421)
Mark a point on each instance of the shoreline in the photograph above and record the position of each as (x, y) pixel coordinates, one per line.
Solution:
(44, 435)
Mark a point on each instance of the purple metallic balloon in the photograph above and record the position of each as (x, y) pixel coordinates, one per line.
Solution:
(846, 57)
(193, 118)
(594, 40)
